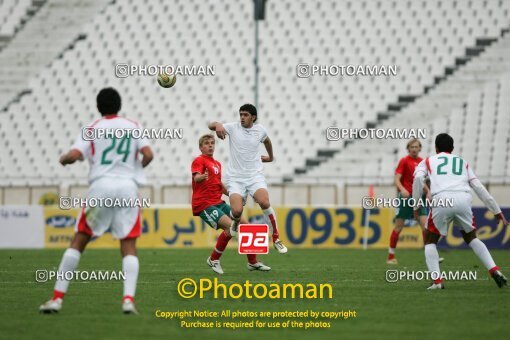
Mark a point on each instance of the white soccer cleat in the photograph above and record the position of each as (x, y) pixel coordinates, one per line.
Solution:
(441, 259)
(278, 245)
(215, 265)
(258, 266)
(51, 306)
(392, 261)
(128, 307)
(436, 286)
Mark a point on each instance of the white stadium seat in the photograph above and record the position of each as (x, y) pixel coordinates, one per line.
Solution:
(420, 37)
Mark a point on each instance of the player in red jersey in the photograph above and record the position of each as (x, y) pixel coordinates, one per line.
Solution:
(404, 175)
(206, 202)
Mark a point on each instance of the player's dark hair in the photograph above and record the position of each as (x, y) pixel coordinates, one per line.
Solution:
(250, 109)
(108, 101)
(444, 143)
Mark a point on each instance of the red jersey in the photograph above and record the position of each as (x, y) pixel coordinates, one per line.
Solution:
(206, 193)
(406, 168)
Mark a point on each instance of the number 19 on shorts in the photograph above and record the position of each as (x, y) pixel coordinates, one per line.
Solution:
(253, 239)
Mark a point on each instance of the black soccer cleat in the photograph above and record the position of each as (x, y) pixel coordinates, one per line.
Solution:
(499, 278)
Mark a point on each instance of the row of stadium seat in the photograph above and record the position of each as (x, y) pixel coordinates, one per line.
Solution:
(42, 39)
(472, 105)
(295, 111)
(416, 68)
(11, 14)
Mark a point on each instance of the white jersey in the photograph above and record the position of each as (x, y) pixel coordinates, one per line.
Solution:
(109, 156)
(245, 154)
(447, 173)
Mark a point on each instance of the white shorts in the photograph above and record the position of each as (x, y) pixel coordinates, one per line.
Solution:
(246, 186)
(460, 214)
(125, 222)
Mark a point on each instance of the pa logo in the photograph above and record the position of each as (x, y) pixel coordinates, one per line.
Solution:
(253, 239)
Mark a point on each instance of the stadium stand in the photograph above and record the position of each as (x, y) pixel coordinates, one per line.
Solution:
(471, 105)
(49, 93)
(51, 27)
(12, 15)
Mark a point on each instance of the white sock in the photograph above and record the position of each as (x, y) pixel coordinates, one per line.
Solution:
(270, 218)
(233, 226)
(236, 220)
(482, 252)
(432, 260)
(391, 250)
(69, 263)
(130, 267)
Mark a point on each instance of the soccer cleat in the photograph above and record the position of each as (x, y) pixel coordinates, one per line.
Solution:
(51, 306)
(278, 245)
(499, 278)
(258, 266)
(441, 259)
(215, 265)
(436, 286)
(128, 307)
(392, 261)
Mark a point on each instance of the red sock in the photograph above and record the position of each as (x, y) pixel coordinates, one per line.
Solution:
(437, 281)
(58, 295)
(252, 258)
(129, 297)
(394, 239)
(391, 256)
(493, 269)
(276, 234)
(221, 244)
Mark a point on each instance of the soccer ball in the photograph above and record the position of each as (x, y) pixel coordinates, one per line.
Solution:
(166, 80)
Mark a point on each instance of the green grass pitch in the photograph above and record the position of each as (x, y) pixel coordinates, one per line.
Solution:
(465, 309)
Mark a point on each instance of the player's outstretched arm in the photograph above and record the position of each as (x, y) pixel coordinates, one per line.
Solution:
(198, 177)
(418, 186)
(224, 189)
(148, 156)
(420, 173)
(418, 189)
(212, 126)
(70, 157)
(487, 199)
(426, 191)
(269, 149)
(219, 128)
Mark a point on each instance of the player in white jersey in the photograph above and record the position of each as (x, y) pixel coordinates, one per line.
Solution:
(244, 173)
(115, 173)
(452, 178)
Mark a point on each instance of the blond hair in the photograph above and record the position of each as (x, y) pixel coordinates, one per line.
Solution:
(412, 141)
(203, 138)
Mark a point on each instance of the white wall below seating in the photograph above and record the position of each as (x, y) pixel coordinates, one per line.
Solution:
(280, 195)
